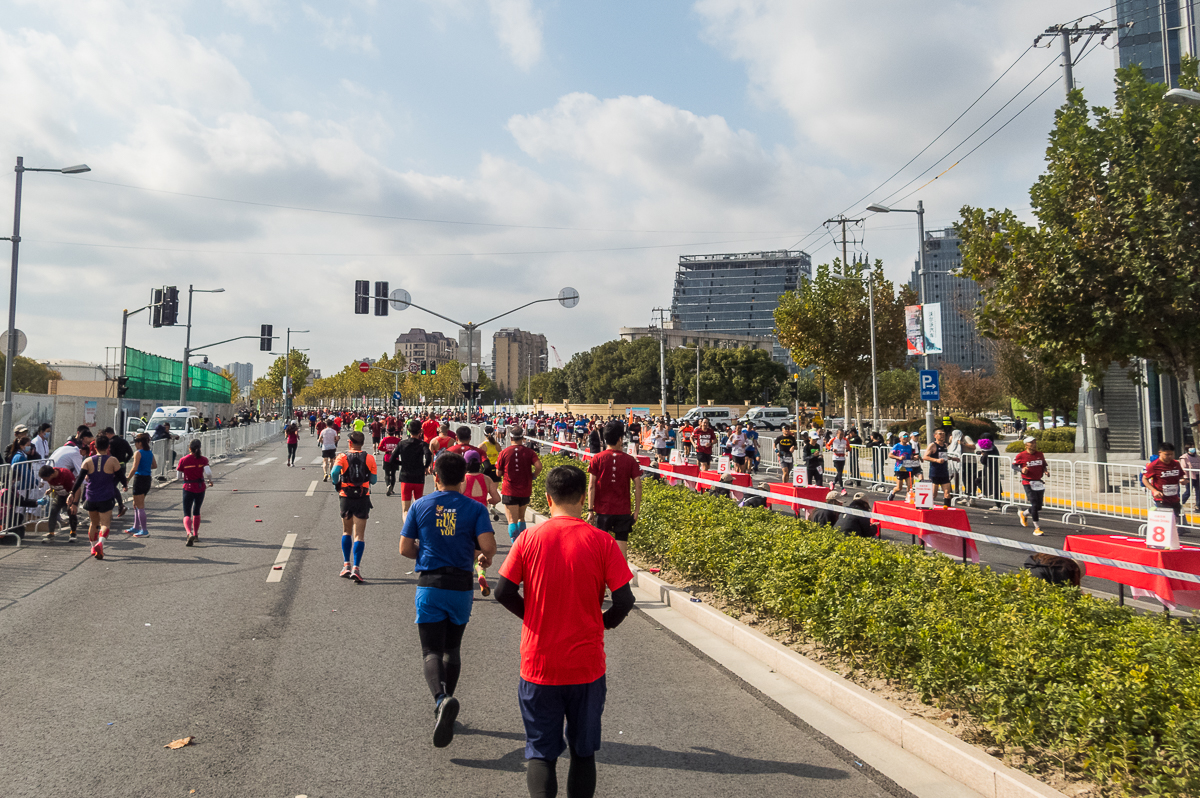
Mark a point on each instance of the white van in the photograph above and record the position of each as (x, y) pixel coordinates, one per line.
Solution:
(771, 418)
(179, 419)
(719, 417)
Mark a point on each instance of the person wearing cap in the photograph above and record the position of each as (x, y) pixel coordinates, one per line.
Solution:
(824, 515)
(1032, 466)
(988, 479)
(906, 462)
(858, 525)
(814, 458)
(518, 466)
(1191, 467)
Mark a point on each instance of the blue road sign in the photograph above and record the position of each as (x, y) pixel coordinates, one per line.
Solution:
(396, 396)
(930, 389)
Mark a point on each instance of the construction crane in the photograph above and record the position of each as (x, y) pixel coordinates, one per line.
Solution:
(557, 360)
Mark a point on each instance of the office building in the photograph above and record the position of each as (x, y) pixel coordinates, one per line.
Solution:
(676, 336)
(516, 354)
(1161, 32)
(736, 294)
(243, 373)
(959, 297)
(432, 347)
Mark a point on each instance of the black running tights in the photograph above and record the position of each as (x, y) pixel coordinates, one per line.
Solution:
(439, 644)
(541, 777)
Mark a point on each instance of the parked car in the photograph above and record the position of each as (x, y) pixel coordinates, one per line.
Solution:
(769, 418)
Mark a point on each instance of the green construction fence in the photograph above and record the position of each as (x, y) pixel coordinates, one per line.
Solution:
(157, 378)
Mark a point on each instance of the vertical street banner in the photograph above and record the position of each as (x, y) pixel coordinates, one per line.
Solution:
(933, 328)
(912, 330)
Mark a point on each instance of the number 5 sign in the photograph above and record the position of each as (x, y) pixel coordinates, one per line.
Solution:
(1161, 532)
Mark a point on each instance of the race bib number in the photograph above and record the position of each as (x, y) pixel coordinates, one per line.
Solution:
(924, 495)
(786, 459)
(912, 463)
(1161, 532)
(1170, 490)
(1037, 484)
(800, 478)
(723, 465)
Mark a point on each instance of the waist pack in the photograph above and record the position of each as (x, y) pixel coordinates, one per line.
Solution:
(357, 477)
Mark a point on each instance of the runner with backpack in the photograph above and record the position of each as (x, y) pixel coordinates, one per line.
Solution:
(353, 474)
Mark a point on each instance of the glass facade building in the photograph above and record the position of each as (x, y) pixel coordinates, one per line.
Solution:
(959, 296)
(1161, 32)
(736, 294)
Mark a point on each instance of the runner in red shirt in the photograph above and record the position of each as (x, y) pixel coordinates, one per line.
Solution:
(429, 429)
(376, 431)
(565, 565)
(518, 466)
(1162, 478)
(463, 445)
(1032, 465)
(386, 447)
(705, 437)
(612, 473)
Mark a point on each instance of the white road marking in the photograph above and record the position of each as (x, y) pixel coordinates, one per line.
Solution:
(313, 487)
(317, 461)
(268, 460)
(276, 572)
(239, 462)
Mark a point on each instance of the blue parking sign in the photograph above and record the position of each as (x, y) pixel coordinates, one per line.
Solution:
(930, 390)
(396, 396)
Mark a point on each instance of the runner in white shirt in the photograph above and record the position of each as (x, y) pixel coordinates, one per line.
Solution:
(329, 440)
(839, 446)
(737, 449)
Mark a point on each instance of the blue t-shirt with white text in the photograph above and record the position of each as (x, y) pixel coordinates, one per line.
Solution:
(447, 524)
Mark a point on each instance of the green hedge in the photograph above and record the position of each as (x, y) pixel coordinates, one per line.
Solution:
(1047, 447)
(974, 428)
(1070, 679)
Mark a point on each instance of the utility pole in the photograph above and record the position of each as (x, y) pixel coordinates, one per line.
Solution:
(841, 219)
(662, 358)
(1074, 33)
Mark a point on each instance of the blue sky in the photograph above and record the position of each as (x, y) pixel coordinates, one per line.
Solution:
(719, 125)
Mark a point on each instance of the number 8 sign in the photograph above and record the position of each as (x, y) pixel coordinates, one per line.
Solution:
(1161, 532)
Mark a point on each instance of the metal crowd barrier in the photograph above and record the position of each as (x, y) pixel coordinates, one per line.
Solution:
(20, 489)
(214, 444)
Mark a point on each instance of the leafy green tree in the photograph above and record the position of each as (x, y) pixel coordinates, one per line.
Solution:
(1035, 381)
(270, 385)
(29, 376)
(1111, 270)
(898, 388)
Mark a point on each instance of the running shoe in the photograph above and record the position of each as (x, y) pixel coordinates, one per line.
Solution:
(98, 549)
(141, 533)
(1037, 530)
(326, 479)
(346, 571)
(443, 727)
(1024, 520)
(485, 589)
(129, 531)
(844, 491)
(357, 576)
(121, 511)
(48, 536)
(190, 540)
(72, 537)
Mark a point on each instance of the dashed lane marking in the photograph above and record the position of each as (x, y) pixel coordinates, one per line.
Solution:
(276, 572)
(313, 487)
(268, 460)
(318, 461)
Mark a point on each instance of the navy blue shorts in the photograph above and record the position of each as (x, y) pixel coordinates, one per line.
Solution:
(544, 707)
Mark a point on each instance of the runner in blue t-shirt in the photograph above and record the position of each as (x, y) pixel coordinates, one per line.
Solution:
(906, 461)
(450, 527)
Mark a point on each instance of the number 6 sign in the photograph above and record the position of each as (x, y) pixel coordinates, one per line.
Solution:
(800, 477)
(1161, 532)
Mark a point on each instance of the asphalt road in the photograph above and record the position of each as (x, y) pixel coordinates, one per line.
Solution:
(312, 685)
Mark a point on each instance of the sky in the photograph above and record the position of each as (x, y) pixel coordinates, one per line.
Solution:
(484, 153)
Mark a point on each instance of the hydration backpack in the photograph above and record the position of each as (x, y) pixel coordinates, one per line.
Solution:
(357, 476)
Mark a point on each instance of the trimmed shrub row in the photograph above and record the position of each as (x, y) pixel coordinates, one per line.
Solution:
(974, 428)
(1047, 447)
(1050, 670)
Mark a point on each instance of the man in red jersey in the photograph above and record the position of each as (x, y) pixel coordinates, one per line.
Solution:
(1163, 477)
(705, 438)
(612, 473)
(429, 428)
(386, 447)
(565, 565)
(518, 466)
(1033, 469)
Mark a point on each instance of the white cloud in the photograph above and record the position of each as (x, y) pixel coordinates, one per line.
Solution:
(261, 12)
(337, 35)
(519, 29)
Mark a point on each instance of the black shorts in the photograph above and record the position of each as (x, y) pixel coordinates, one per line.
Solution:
(329, 454)
(663, 454)
(515, 501)
(739, 459)
(100, 507)
(356, 508)
(141, 484)
(619, 526)
(704, 458)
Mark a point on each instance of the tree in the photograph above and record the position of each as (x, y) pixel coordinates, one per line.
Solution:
(235, 391)
(826, 322)
(972, 392)
(898, 388)
(29, 376)
(1111, 271)
(270, 385)
(1035, 382)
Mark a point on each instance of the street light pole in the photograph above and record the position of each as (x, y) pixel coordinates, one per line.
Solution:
(187, 346)
(6, 410)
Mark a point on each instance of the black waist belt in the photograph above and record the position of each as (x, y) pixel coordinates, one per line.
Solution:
(447, 578)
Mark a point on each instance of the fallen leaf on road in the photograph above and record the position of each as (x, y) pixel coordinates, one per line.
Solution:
(180, 743)
(278, 567)
(258, 520)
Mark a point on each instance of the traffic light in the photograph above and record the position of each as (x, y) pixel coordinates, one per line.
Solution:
(156, 298)
(170, 306)
(264, 342)
(433, 367)
(122, 386)
(362, 297)
(424, 368)
(381, 298)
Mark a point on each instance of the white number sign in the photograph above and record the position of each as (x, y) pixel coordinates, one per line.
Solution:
(676, 457)
(632, 449)
(924, 495)
(1161, 531)
(562, 436)
(800, 477)
(723, 465)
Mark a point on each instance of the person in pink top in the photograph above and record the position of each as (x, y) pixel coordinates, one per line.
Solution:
(481, 488)
(194, 471)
